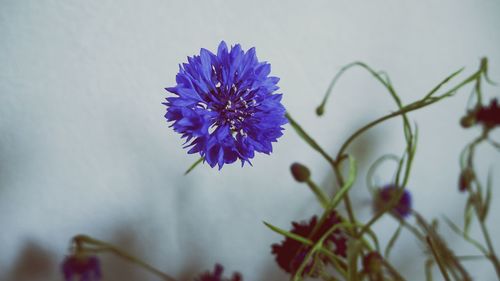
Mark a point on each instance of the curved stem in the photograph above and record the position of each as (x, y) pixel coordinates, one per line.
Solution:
(492, 256)
(441, 266)
(322, 198)
(106, 247)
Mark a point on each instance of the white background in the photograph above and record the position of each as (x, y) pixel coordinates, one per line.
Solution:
(84, 147)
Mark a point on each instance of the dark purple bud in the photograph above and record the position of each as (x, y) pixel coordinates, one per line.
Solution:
(399, 198)
(86, 268)
(300, 172)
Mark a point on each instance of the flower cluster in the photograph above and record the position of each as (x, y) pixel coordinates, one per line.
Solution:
(290, 253)
(217, 275)
(224, 105)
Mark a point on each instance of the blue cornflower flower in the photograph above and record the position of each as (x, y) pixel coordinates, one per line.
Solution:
(225, 107)
(81, 267)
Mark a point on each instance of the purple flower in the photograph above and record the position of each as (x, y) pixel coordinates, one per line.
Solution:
(224, 105)
(387, 195)
(290, 253)
(217, 275)
(83, 268)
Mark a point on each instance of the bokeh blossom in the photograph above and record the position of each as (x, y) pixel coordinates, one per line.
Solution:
(216, 275)
(291, 253)
(81, 268)
(225, 106)
(372, 263)
(388, 195)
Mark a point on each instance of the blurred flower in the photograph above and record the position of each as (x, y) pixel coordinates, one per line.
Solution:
(300, 172)
(81, 267)
(217, 275)
(225, 106)
(489, 116)
(386, 195)
(466, 177)
(291, 253)
(372, 263)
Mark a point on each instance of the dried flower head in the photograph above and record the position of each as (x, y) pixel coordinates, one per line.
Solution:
(391, 194)
(290, 253)
(81, 268)
(216, 275)
(224, 105)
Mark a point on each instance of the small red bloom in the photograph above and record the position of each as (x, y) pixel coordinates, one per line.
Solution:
(290, 253)
(489, 116)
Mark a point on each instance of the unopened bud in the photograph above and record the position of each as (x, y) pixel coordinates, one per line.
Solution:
(300, 172)
(468, 120)
(466, 177)
(372, 263)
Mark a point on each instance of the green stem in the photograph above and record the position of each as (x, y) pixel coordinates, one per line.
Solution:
(322, 198)
(106, 247)
(479, 209)
(194, 165)
(438, 259)
(427, 100)
(309, 140)
(392, 270)
(346, 198)
(492, 256)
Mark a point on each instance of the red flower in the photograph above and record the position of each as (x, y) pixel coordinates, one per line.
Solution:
(290, 253)
(489, 116)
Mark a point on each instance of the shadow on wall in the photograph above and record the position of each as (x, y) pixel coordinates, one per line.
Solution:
(35, 262)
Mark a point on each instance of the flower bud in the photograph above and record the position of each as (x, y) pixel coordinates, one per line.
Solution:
(392, 194)
(372, 263)
(300, 172)
(468, 120)
(466, 177)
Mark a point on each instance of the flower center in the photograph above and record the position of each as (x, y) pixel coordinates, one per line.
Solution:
(233, 108)
(234, 113)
